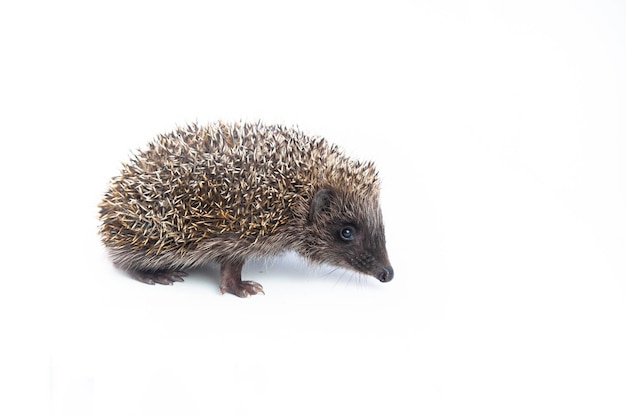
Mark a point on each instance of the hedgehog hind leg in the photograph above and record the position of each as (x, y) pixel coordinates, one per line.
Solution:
(231, 281)
(164, 277)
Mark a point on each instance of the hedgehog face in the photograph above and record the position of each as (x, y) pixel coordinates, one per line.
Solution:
(347, 230)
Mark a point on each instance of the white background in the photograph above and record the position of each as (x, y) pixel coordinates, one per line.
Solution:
(498, 129)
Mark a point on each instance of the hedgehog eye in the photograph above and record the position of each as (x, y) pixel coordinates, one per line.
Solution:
(347, 233)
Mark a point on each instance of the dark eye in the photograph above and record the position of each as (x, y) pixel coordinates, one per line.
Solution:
(347, 233)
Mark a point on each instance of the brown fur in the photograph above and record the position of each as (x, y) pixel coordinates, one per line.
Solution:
(227, 192)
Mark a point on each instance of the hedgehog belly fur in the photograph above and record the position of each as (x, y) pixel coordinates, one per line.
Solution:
(217, 249)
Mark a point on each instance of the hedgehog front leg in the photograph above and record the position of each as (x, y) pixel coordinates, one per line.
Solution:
(232, 283)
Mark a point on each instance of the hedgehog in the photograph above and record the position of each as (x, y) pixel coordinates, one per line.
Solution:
(228, 192)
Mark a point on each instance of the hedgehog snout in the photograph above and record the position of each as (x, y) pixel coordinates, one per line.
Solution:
(368, 264)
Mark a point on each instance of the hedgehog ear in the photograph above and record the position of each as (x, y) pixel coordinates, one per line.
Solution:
(320, 202)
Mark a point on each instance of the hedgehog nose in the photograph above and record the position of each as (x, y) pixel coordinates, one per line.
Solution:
(386, 274)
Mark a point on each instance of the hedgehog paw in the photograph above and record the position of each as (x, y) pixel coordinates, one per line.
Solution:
(243, 288)
(159, 277)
